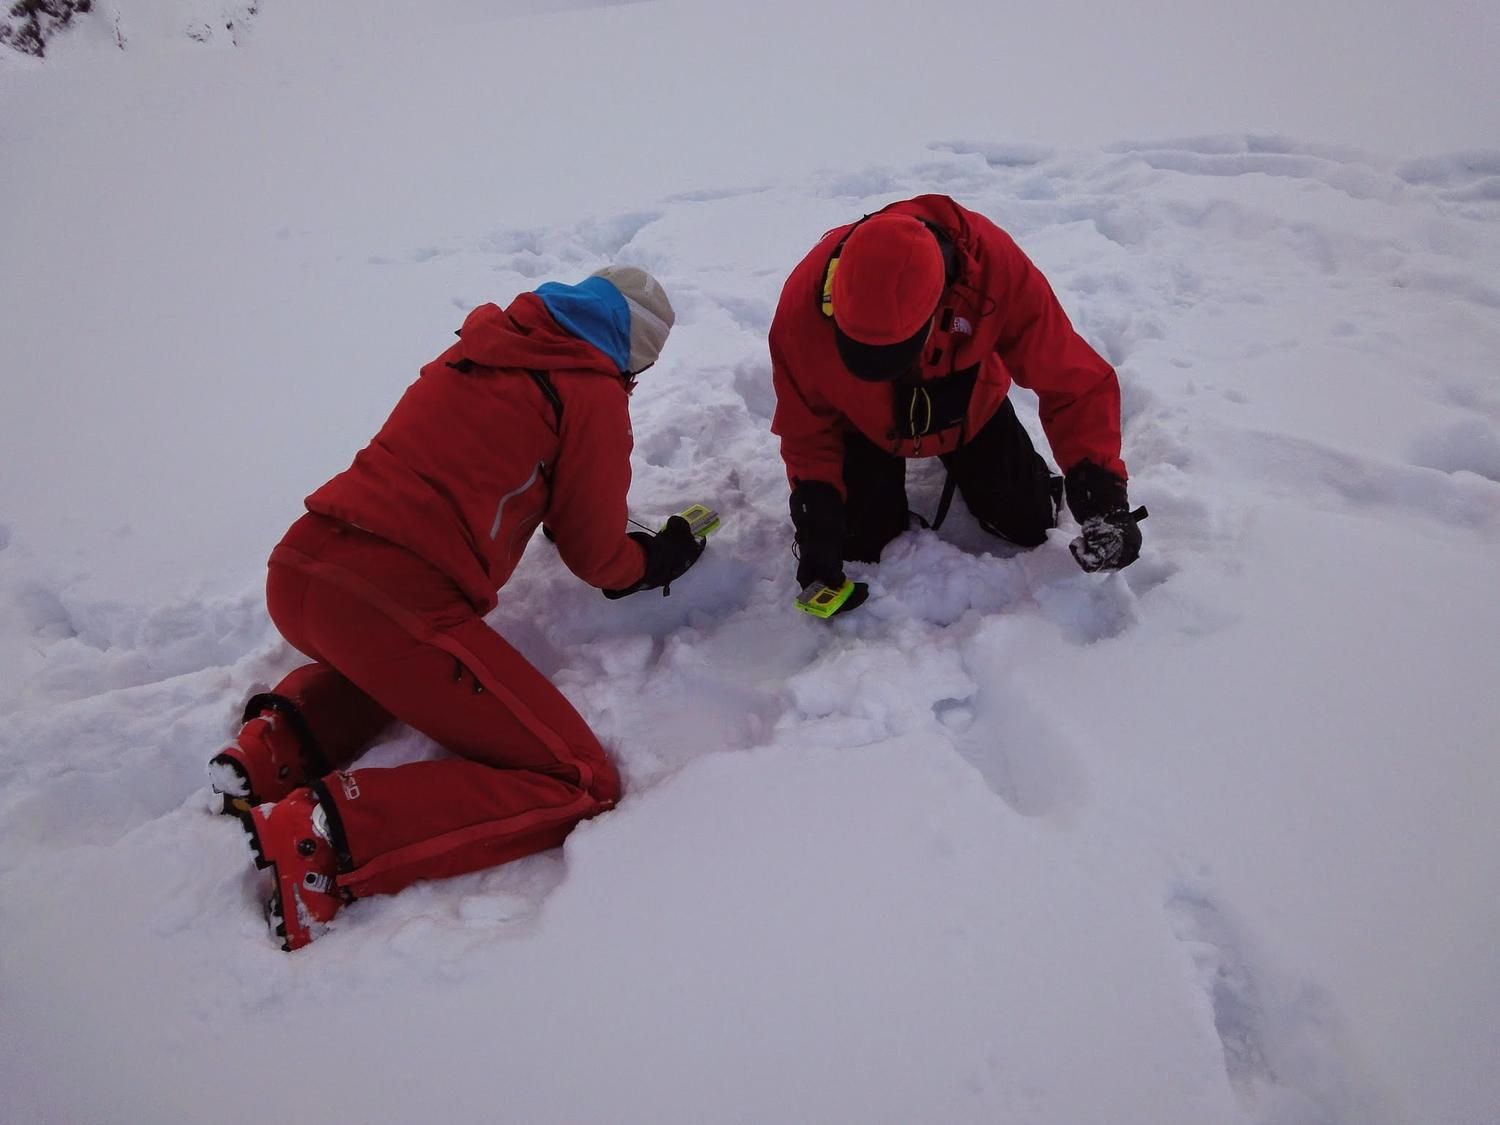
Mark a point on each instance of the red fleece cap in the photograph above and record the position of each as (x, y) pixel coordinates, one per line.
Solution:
(888, 281)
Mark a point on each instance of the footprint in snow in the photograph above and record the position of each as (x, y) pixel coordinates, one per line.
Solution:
(1022, 757)
(1224, 973)
(1002, 730)
(1469, 446)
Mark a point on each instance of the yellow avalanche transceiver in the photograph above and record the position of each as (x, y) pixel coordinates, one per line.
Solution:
(824, 601)
(701, 519)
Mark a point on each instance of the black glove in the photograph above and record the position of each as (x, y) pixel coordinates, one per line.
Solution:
(1109, 536)
(669, 554)
(1093, 491)
(818, 516)
(1109, 542)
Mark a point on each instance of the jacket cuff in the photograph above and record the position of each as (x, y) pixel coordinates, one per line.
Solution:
(1093, 491)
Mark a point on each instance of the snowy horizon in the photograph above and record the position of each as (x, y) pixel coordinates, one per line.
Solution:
(1210, 841)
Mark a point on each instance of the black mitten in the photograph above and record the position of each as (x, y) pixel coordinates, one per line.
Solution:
(818, 516)
(669, 554)
(1110, 537)
(1110, 541)
(1093, 491)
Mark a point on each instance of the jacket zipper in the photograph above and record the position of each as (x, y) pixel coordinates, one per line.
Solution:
(512, 494)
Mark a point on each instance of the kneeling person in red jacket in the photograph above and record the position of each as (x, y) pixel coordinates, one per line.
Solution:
(899, 336)
(384, 585)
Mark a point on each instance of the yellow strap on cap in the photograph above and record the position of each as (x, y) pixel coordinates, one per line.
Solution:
(833, 265)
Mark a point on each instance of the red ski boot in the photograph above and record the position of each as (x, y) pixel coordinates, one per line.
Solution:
(292, 838)
(263, 763)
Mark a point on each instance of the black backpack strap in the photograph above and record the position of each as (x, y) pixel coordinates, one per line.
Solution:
(949, 249)
(945, 501)
(549, 392)
(538, 376)
(950, 482)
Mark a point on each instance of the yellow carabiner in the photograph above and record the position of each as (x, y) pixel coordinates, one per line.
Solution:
(911, 413)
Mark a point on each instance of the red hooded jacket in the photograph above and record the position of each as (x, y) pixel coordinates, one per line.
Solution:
(999, 313)
(475, 455)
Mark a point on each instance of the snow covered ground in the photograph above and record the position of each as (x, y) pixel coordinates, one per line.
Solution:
(1209, 841)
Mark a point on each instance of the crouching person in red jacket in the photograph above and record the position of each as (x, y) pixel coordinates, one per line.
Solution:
(899, 336)
(384, 584)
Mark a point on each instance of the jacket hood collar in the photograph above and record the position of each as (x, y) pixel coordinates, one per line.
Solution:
(526, 335)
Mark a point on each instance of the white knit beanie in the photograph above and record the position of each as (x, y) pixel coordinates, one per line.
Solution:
(651, 315)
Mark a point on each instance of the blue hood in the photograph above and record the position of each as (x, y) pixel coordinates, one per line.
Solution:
(594, 311)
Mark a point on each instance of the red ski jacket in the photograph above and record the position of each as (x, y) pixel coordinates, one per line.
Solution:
(476, 454)
(999, 321)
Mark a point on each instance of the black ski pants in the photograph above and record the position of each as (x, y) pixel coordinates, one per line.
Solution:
(1004, 482)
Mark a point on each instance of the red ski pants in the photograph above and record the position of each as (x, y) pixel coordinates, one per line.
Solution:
(391, 637)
